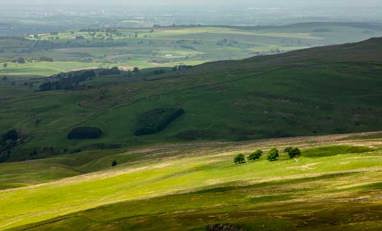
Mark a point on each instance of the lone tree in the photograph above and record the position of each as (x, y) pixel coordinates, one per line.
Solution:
(239, 159)
(273, 154)
(287, 149)
(11, 135)
(293, 152)
(5, 65)
(20, 60)
(255, 155)
(114, 163)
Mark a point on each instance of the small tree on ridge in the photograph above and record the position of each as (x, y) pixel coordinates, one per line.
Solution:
(239, 159)
(255, 155)
(273, 154)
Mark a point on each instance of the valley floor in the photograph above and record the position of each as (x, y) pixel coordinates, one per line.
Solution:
(335, 185)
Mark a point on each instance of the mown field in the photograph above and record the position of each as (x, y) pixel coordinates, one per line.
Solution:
(334, 185)
(166, 46)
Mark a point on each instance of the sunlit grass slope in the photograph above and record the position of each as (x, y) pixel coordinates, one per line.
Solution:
(191, 186)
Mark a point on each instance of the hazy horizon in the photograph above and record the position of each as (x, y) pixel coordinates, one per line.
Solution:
(181, 2)
(34, 15)
(346, 9)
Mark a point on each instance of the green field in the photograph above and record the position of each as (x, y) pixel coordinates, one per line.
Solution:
(39, 69)
(167, 46)
(190, 186)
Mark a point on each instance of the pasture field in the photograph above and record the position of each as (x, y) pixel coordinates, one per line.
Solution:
(43, 69)
(334, 185)
(167, 46)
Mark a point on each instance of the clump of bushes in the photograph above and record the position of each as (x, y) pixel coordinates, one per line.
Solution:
(156, 120)
(255, 155)
(273, 154)
(8, 141)
(80, 133)
(239, 159)
(11, 135)
(292, 152)
(72, 80)
(67, 81)
(19, 60)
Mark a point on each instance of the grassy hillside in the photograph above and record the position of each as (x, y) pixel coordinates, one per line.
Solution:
(324, 90)
(334, 185)
(167, 46)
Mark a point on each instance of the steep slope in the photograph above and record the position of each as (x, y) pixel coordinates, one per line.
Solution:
(323, 90)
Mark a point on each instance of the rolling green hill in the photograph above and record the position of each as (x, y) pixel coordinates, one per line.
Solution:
(334, 185)
(323, 90)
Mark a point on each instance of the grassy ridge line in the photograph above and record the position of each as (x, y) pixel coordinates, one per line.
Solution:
(39, 171)
(42, 202)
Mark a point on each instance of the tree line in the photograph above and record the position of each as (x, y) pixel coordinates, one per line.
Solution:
(272, 155)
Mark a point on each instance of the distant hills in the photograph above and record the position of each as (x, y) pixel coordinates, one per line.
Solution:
(324, 90)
